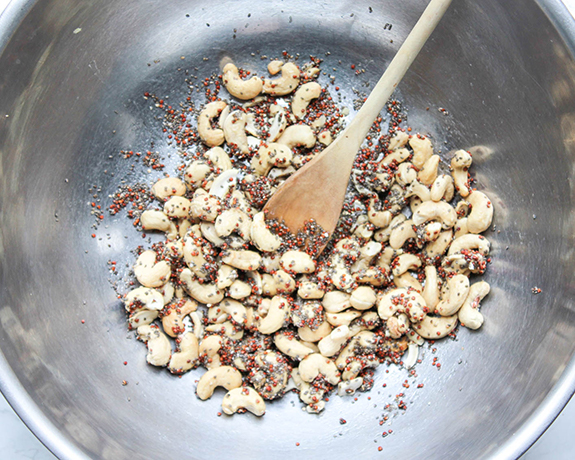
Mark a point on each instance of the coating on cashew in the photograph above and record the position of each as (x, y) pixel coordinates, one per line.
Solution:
(159, 349)
(286, 83)
(403, 301)
(235, 131)
(380, 219)
(297, 135)
(455, 294)
(243, 398)
(172, 319)
(460, 164)
(223, 376)
(212, 137)
(481, 214)
(241, 89)
(149, 273)
(397, 156)
(209, 348)
(303, 96)
(469, 314)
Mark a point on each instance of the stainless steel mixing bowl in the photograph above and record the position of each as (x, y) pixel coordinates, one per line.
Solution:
(72, 77)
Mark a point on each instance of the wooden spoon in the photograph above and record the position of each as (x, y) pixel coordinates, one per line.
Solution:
(317, 190)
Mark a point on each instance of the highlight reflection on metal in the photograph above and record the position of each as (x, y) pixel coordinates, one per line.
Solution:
(501, 69)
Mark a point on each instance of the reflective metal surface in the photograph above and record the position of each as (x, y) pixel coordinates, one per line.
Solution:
(503, 69)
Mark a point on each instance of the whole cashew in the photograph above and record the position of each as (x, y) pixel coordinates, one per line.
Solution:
(228, 329)
(456, 292)
(233, 220)
(223, 376)
(277, 315)
(442, 188)
(469, 241)
(150, 299)
(194, 255)
(149, 273)
(226, 276)
(406, 280)
(235, 131)
(208, 230)
(363, 298)
(363, 342)
(431, 290)
(310, 290)
(271, 155)
(167, 187)
(141, 317)
(219, 158)
(209, 348)
(405, 262)
(309, 335)
(205, 207)
(186, 356)
(261, 236)
(239, 290)
(399, 140)
(439, 246)
(242, 259)
(397, 156)
(297, 262)
(435, 210)
(286, 83)
(403, 301)
(336, 301)
(159, 349)
(460, 227)
(243, 398)
(348, 388)
(422, 150)
(204, 293)
(481, 215)
(330, 345)
(289, 345)
(460, 164)
(419, 190)
(172, 321)
(366, 255)
(303, 96)
(469, 314)
(405, 174)
(342, 319)
(380, 219)
(313, 365)
(397, 325)
(428, 173)
(177, 206)
(211, 137)
(384, 234)
(224, 184)
(197, 173)
(401, 233)
(433, 328)
(241, 89)
(235, 310)
(297, 135)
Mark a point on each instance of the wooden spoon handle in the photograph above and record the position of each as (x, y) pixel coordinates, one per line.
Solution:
(398, 67)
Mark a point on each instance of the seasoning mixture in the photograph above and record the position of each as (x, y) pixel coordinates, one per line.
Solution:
(255, 305)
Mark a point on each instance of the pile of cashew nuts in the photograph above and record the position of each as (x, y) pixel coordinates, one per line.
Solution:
(225, 292)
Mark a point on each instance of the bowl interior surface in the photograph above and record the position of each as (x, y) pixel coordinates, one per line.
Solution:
(71, 98)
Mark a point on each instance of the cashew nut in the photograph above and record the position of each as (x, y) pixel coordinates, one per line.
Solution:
(235, 131)
(433, 328)
(428, 173)
(303, 96)
(342, 319)
(469, 241)
(241, 89)
(223, 376)
(314, 364)
(401, 233)
(186, 356)
(397, 156)
(459, 166)
(439, 246)
(172, 321)
(398, 140)
(210, 136)
(297, 262)
(271, 155)
(209, 348)
(380, 219)
(435, 210)
(219, 158)
(363, 298)
(167, 187)
(149, 273)
(442, 188)
(197, 172)
(481, 215)
(330, 345)
(309, 335)
(286, 83)
(243, 398)
(150, 299)
(403, 301)
(289, 345)
(242, 259)
(431, 290)
(405, 174)
(159, 348)
(233, 220)
(469, 314)
(336, 301)
(277, 315)
(456, 292)
(205, 207)
(141, 317)
(205, 293)
(405, 262)
(297, 135)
